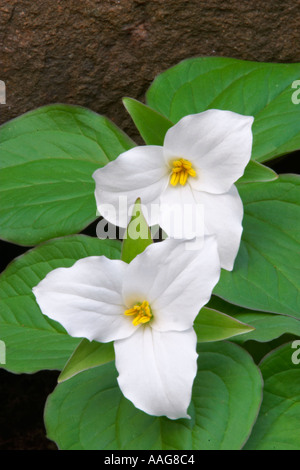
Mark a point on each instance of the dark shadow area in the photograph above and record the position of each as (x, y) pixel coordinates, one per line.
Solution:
(286, 164)
(22, 399)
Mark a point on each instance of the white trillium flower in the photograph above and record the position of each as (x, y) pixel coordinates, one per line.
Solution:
(147, 308)
(201, 158)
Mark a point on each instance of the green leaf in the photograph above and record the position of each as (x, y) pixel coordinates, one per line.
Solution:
(255, 171)
(262, 90)
(266, 273)
(33, 341)
(151, 125)
(227, 396)
(47, 158)
(211, 325)
(277, 426)
(87, 355)
(221, 305)
(267, 326)
(89, 411)
(137, 236)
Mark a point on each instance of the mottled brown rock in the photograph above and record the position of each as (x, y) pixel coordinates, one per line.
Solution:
(93, 53)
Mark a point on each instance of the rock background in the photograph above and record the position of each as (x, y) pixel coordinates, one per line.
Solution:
(93, 53)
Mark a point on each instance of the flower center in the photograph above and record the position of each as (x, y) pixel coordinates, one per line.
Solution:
(182, 169)
(141, 311)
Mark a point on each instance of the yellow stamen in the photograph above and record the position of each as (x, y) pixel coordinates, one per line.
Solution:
(181, 170)
(142, 312)
(175, 178)
(183, 177)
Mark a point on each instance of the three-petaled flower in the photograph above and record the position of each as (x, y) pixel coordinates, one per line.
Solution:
(147, 308)
(203, 155)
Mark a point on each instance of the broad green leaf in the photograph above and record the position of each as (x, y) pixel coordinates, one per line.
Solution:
(151, 125)
(47, 158)
(255, 171)
(211, 325)
(33, 341)
(267, 326)
(87, 355)
(277, 426)
(227, 395)
(89, 411)
(221, 305)
(262, 90)
(137, 236)
(266, 274)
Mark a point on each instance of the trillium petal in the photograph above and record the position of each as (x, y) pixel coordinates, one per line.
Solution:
(86, 299)
(223, 215)
(181, 216)
(157, 370)
(218, 144)
(176, 277)
(140, 172)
